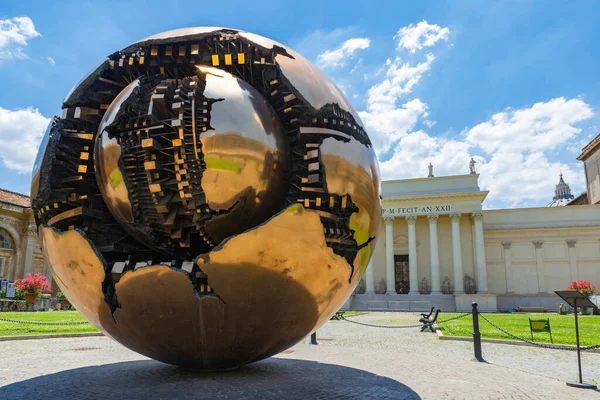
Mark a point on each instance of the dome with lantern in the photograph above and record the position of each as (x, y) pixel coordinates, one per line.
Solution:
(562, 194)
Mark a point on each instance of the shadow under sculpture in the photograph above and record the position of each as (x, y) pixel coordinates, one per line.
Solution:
(270, 379)
(207, 198)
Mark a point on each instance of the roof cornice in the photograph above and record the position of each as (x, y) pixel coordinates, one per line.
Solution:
(433, 178)
(590, 148)
(481, 195)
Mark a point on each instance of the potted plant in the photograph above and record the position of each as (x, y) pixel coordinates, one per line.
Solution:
(586, 288)
(62, 299)
(32, 286)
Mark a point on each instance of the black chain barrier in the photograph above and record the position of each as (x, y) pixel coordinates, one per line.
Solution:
(401, 326)
(43, 323)
(380, 326)
(545, 346)
(453, 318)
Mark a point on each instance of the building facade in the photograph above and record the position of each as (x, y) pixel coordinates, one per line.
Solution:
(20, 253)
(590, 155)
(438, 247)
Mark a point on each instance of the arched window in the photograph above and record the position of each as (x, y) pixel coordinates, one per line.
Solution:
(6, 241)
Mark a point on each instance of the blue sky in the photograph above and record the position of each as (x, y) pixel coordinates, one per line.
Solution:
(512, 83)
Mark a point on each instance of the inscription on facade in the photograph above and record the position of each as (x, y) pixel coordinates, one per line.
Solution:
(391, 211)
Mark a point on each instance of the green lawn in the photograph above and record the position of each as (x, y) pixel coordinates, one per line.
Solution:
(563, 327)
(15, 329)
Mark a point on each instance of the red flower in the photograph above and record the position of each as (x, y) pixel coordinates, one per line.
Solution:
(586, 288)
(33, 284)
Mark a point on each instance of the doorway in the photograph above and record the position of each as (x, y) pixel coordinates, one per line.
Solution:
(402, 274)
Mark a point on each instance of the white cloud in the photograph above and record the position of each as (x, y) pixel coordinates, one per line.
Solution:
(520, 178)
(14, 34)
(389, 123)
(416, 150)
(20, 134)
(400, 78)
(517, 165)
(518, 144)
(519, 152)
(386, 120)
(51, 60)
(338, 57)
(358, 63)
(416, 37)
(542, 127)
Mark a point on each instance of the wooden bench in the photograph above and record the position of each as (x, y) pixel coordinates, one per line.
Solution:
(531, 309)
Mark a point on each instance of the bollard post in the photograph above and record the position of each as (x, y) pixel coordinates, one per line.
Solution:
(476, 334)
(313, 338)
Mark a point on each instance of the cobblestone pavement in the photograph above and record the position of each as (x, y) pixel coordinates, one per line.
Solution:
(350, 362)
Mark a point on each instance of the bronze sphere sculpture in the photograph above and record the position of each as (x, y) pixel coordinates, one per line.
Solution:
(207, 198)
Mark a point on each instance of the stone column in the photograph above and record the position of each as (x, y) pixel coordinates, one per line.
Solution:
(411, 220)
(479, 253)
(389, 256)
(434, 255)
(539, 261)
(370, 278)
(574, 273)
(508, 273)
(457, 254)
(29, 239)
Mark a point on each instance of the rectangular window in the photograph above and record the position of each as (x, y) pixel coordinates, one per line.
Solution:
(594, 190)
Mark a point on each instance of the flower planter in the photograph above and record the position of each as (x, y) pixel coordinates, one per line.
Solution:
(65, 305)
(30, 298)
(12, 305)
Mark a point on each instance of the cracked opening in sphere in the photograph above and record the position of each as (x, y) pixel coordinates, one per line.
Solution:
(184, 163)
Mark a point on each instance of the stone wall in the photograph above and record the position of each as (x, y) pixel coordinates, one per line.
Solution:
(536, 251)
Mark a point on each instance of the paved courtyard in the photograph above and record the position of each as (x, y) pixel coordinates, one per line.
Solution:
(350, 362)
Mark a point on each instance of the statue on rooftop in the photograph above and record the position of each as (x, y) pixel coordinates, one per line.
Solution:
(472, 166)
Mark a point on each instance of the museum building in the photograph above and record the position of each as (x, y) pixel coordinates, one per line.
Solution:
(20, 253)
(439, 247)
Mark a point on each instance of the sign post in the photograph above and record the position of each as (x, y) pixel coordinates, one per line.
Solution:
(540, 325)
(575, 300)
(11, 291)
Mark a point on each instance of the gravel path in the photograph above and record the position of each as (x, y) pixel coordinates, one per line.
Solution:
(350, 362)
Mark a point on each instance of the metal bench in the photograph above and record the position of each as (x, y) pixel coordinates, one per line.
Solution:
(338, 316)
(429, 322)
(428, 315)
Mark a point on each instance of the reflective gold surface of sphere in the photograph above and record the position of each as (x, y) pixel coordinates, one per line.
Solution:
(207, 198)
